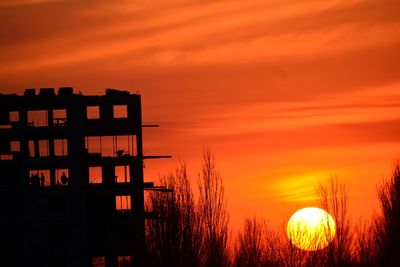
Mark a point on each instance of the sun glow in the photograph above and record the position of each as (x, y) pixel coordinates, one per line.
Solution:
(311, 229)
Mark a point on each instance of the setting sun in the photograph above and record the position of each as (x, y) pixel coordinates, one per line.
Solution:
(311, 228)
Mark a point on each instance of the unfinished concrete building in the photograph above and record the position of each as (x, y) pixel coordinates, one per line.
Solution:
(71, 185)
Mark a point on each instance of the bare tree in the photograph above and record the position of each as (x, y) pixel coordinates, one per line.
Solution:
(174, 238)
(388, 224)
(293, 256)
(257, 245)
(214, 217)
(334, 199)
(364, 243)
(273, 247)
(250, 248)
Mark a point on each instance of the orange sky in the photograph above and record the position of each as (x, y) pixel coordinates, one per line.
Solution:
(285, 93)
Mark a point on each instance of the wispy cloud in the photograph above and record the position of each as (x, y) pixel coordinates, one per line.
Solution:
(201, 34)
(299, 187)
(14, 3)
(340, 111)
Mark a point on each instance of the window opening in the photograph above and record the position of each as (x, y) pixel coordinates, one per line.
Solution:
(107, 146)
(95, 175)
(6, 157)
(123, 203)
(62, 177)
(124, 145)
(125, 261)
(122, 174)
(120, 111)
(14, 116)
(37, 118)
(98, 261)
(93, 112)
(60, 147)
(15, 146)
(59, 117)
(93, 144)
(39, 178)
(44, 148)
(31, 145)
(111, 146)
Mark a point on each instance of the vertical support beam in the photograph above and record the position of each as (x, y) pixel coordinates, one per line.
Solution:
(36, 145)
(50, 117)
(139, 190)
(77, 193)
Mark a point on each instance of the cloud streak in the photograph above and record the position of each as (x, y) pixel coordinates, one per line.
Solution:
(197, 34)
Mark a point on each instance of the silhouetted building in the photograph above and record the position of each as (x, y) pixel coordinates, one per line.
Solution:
(71, 182)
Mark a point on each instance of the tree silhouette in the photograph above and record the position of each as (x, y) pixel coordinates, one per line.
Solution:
(333, 198)
(388, 224)
(364, 243)
(186, 234)
(174, 237)
(213, 214)
(257, 245)
(250, 245)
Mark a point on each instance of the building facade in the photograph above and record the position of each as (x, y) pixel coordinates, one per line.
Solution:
(71, 186)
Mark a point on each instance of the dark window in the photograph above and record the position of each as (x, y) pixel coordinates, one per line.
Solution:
(6, 157)
(98, 261)
(14, 116)
(15, 146)
(125, 261)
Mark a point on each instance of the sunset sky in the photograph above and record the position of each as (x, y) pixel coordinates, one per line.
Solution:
(285, 93)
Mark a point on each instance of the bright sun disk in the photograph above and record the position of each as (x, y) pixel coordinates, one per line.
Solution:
(311, 228)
